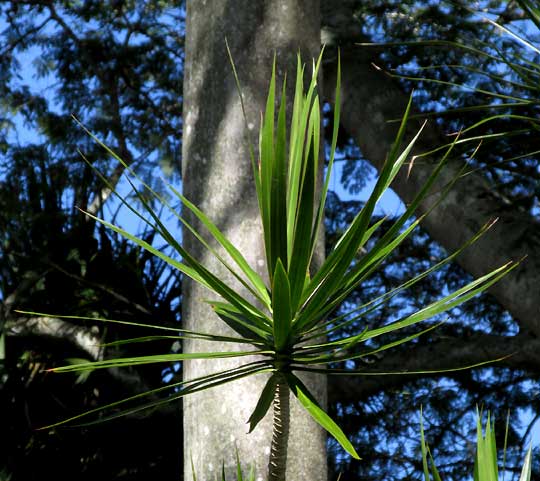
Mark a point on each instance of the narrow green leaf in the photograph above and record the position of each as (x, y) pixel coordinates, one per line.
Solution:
(317, 413)
(267, 153)
(334, 357)
(299, 262)
(533, 12)
(527, 466)
(278, 192)
(249, 143)
(448, 302)
(358, 372)
(335, 130)
(235, 254)
(172, 398)
(263, 404)
(434, 471)
(187, 332)
(139, 360)
(239, 476)
(379, 301)
(257, 366)
(144, 339)
(193, 469)
(423, 447)
(247, 327)
(303, 104)
(195, 270)
(330, 276)
(281, 307)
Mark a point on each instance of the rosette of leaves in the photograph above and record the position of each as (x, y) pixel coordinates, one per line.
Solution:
(288, 321)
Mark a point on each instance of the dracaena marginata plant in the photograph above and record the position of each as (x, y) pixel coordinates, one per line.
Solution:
(287, 321)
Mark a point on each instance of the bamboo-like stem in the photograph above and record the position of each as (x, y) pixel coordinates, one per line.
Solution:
(277, 463)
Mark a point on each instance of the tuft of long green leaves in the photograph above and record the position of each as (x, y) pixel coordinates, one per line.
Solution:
(486, 466)
(289, 320)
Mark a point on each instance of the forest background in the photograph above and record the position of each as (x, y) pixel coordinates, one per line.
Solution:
(119, 67)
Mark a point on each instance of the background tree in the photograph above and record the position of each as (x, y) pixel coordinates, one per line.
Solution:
(100, 63)
(119, 67)
(218, 177)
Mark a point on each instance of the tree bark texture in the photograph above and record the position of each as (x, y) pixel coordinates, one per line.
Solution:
(217, 176)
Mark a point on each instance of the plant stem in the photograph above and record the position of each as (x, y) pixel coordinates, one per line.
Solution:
(277, 463)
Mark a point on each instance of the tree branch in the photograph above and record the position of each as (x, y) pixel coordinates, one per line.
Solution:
(369, 99)
(523, 353)
(83, 338)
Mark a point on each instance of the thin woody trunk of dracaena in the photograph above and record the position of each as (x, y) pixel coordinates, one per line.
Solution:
(277, 465)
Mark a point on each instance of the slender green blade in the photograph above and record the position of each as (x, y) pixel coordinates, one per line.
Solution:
(423, 447)
(266, 165)
(533, 12)
(195, 270)
(145, 339)
(193, 469)
(140, 360)
(330, 276)
(278, 207)
(364, 309)
(335, 130)
(299, 263)
(434, 470)
(335, 357)
(297, 157)
(263, 404)
(317, 413)
(250, 145)
(281, 306)
(527, 466)
(247, 327)
(239, 475)
(198, 382)
(391, 239)
(448, 302)
(186, 332)
(235, 254)
(359, 372)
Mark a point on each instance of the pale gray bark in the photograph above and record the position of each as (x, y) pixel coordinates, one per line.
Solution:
(84, 339)
(217, 177)
(70, 338)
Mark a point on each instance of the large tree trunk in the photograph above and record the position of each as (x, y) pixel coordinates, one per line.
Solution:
(217, 177)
